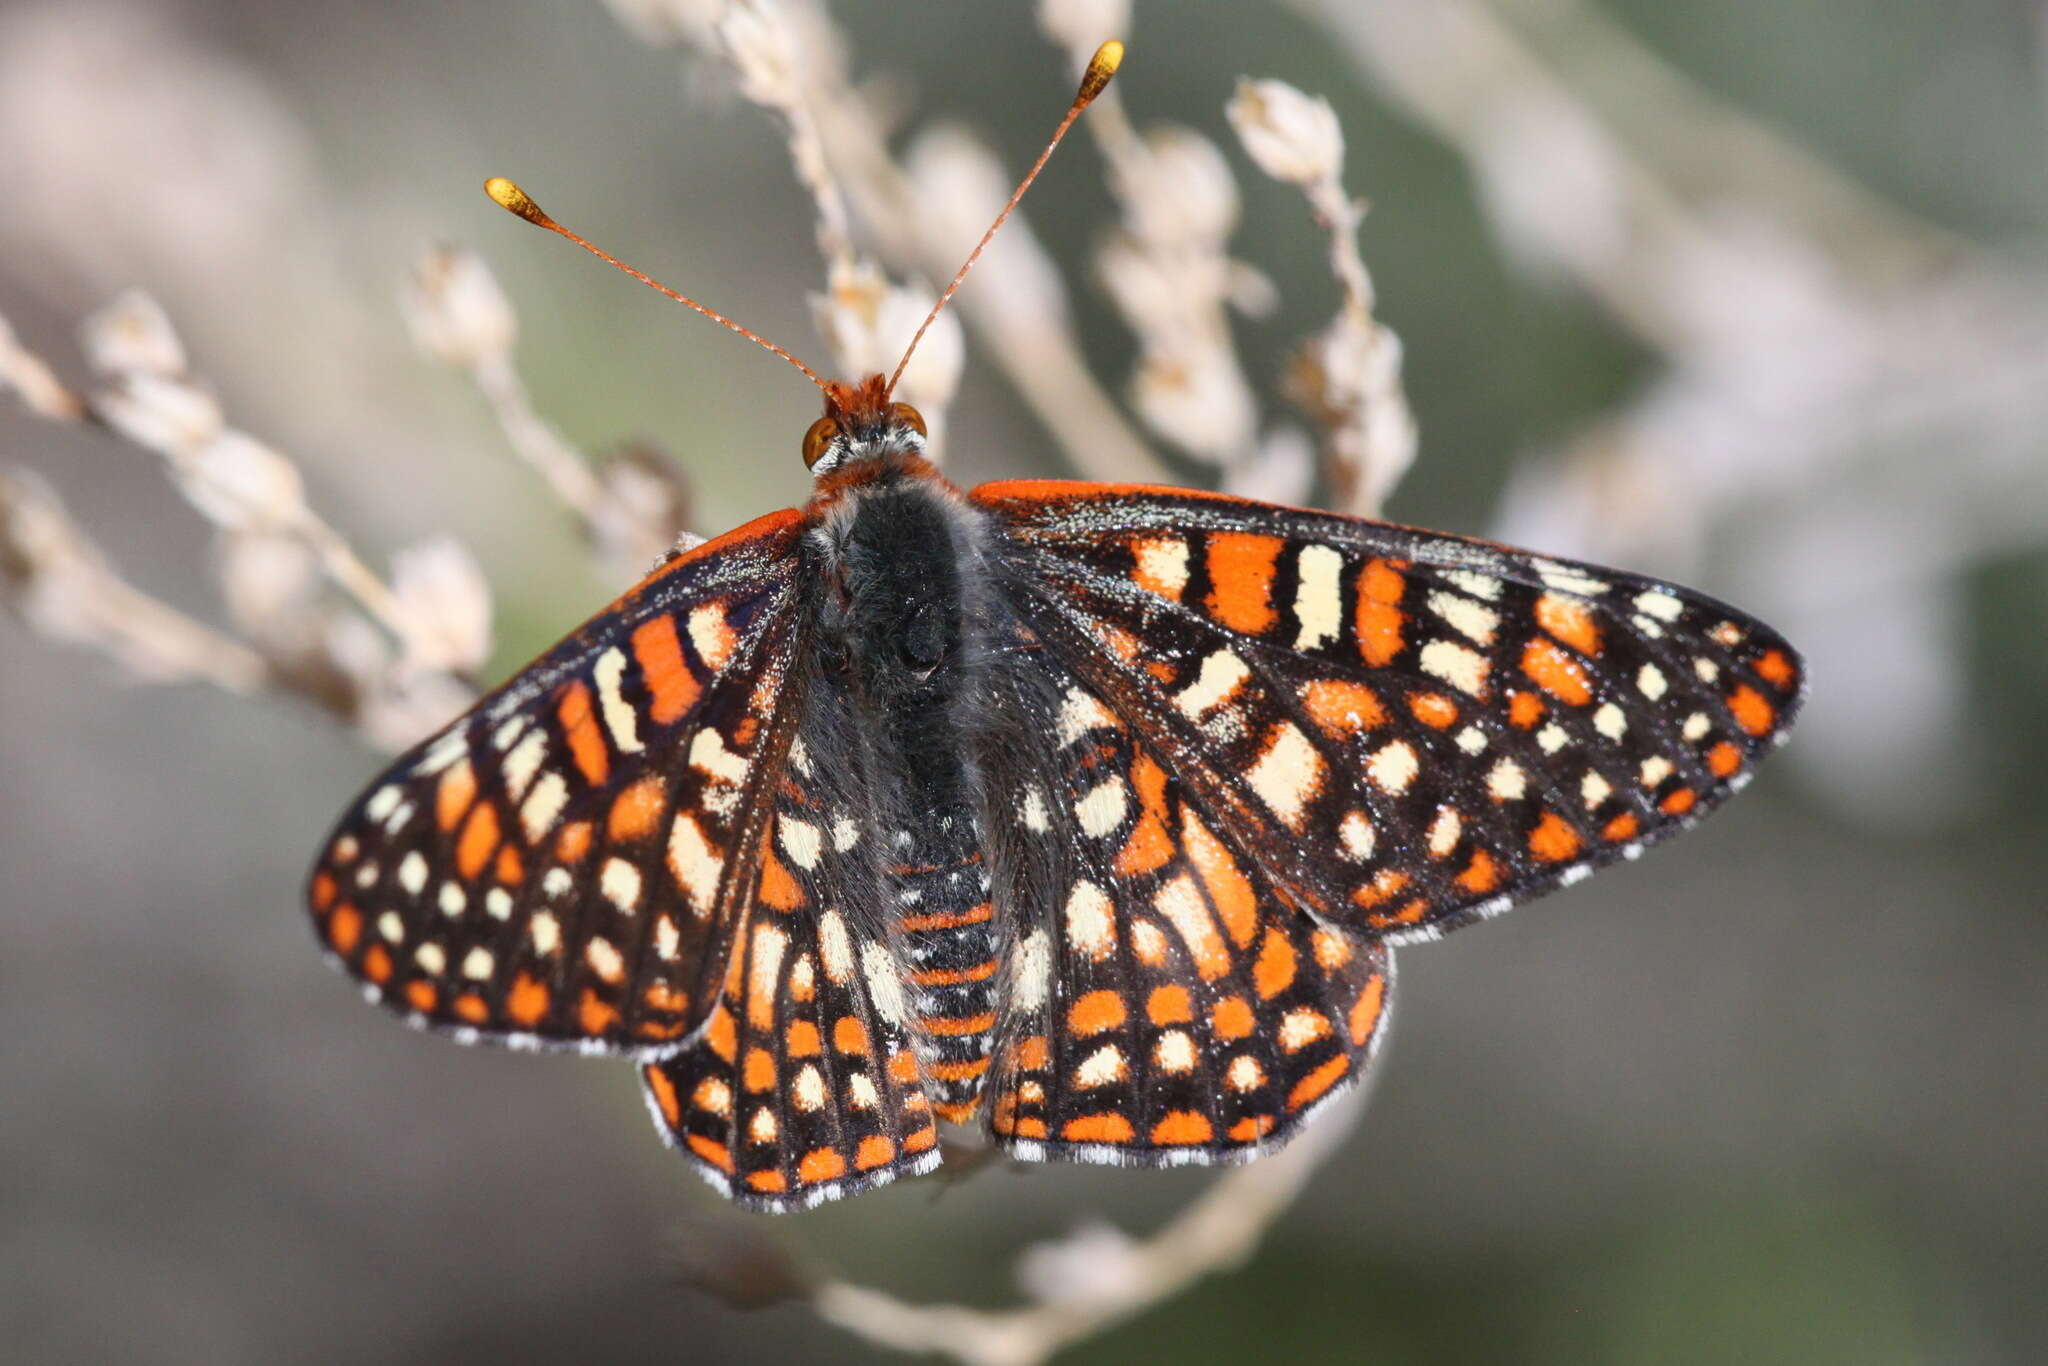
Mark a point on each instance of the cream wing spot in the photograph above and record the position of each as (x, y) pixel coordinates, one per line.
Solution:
(809, 1091)
(1103, 1067)
(1091, 924)
(543, 805)
(1220, 675)
(523, 764)
(546, 933)
(1458, 665)
(605, 959)
(885, 985)
(1651, 682)
(1034, 970)
(412, 873)
(1506, 781)
(1473, 620)
(609, 674)
(1288, 774)
(1393, 767)
(1102, 808)
(1081, 713)
(694, 863)
(1610, 721)
(478, 964)
(620, 883)
(1162, 564)
(801, 840)
(1318, 603)
(1175, 1051)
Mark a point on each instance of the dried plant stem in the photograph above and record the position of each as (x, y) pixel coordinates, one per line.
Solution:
(561, 466)
(1217, 1232)
(347, 571)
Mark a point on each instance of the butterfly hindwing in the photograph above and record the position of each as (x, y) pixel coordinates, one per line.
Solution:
(1412, 730)
(557, 867)
(1166, 1003)
(803, 1085)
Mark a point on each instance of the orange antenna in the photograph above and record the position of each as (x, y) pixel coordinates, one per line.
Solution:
(510, 197)
(1101, 67)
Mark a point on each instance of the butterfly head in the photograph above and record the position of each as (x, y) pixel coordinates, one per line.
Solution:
(860, 425)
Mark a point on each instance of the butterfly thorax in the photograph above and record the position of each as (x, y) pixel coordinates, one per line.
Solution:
(899, 648)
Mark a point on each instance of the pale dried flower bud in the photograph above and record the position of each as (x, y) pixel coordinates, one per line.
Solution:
(1080, 26)
(132, 335)
(1096, 1263)
(238, 482)
(667, 23)
(160, 414)
(1281, 470)
(34, 382)
(39, 545)
(1180, 191)
(762, 51)
(1290, 135)
(400, 710)
(1197, 399)
(641, 512)
(455, 308)
(271, 582)
(868, 321)
(445, 601)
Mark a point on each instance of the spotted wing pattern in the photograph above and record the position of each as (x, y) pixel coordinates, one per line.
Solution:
(1408, 731)
(1167, 1004)
(564, 865)
(803, 1085)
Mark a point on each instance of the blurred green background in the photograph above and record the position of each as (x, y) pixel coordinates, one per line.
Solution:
(1775, 1093)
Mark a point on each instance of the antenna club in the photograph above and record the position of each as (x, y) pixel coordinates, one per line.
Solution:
(1101, 67)
(511, 198)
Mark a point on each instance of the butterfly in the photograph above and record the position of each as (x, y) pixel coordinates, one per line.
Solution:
(1085, 813)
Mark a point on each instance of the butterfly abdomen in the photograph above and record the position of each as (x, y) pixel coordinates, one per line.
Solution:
(948, 942)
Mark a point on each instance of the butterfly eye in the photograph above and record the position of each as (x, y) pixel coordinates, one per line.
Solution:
(819, 439)
(909, 417)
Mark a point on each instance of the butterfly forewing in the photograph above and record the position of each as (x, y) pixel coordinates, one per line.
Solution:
(1409, 730)
(1166, 1003)
(559, 866)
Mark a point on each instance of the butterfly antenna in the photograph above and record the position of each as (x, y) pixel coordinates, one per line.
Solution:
(1101, 67)
(515, 200)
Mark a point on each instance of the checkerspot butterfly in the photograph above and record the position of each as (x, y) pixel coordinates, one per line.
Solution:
(1086, 812)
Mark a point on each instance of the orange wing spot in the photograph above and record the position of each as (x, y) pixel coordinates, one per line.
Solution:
(479, 840)
(777, 887)
(951, 977)
(1570, 620)
(454, 793)
(1228, 888)
(657, 1030)
(1775, 668)
(670, 684)
(804, 1040)
(1365, 1011)
(1622, 827)
(1410, 914)
(1317, 1082)
(664, 1095)
(1433, 709)
(1232, 1018)
(1122, 643)
(716, 1153)
(636, 811)
(1481, 875)
(511, 868)
(1724, 758)
(849, 1035)
(1108, 1127)
(346, 928)
(586, 740)
(1751, 711)
(1162, 671)
(1384, 887)
(1525, 709)
(960, 1112)
(377, 964)
(1333, 951)
(959, 1071)
(1169, 1006)
(1029, 1127)
(947, 920)
(759, 1072)
(874, 1150)
(473, 1009)
(1241, 580)
(1553, 840)
(1274, 972)
(1340, 708)
(421, 996)
(1556, 672)
(1182, 1127)
(1380, 618)
(1679, 802)
(769, 1181)
(903, 1066)
(665, 998)
(323, 892)
(743, 734)
(1251, 1128)
(969, 1024)
(820, 1164)
(722, 1034)
(1148, 848)
(574, 842)
(1033, 1054)
(1095, 1012)
(926, 1137)
(596, 1015)
(526, 1002)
